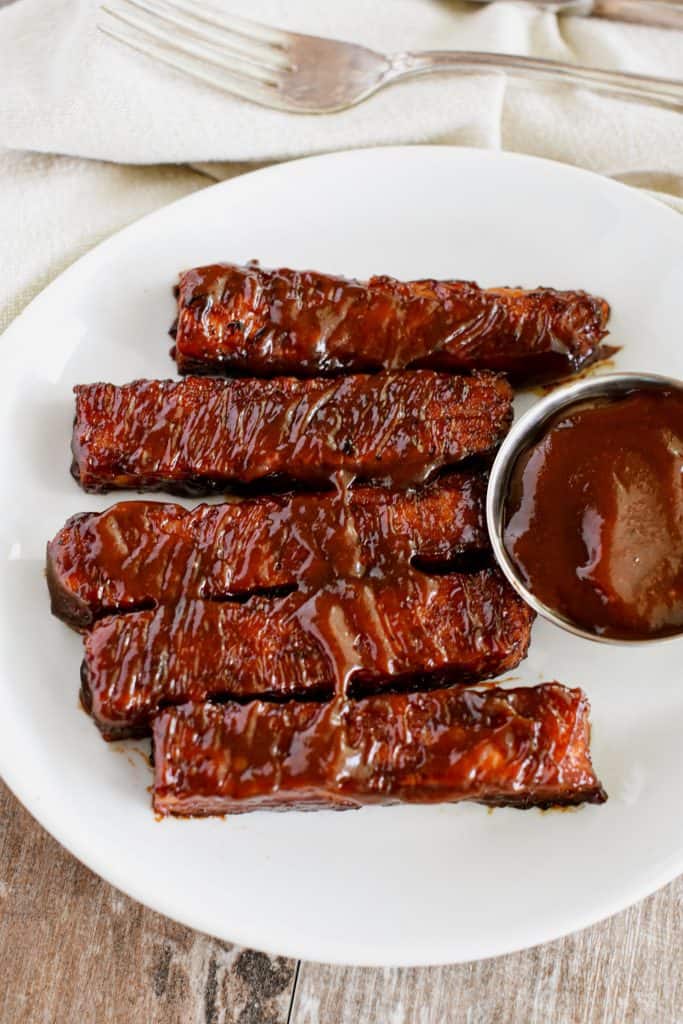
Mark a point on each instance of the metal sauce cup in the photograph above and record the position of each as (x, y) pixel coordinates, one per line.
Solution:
(525, 433)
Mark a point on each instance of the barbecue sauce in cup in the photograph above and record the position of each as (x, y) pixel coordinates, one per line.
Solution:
(594, 515)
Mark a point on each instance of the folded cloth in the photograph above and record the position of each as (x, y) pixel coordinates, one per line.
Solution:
(53, 209)
(68, 89)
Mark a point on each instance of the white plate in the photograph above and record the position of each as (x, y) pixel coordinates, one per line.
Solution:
(400, 885)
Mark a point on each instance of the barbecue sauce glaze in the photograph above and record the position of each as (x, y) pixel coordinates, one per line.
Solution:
(594, 518)
(202, 434)
(141, 553)
(520, 748)
(245, 319)
(351, 623)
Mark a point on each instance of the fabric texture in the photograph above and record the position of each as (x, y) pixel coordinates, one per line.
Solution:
(136, 135)
(68, 89)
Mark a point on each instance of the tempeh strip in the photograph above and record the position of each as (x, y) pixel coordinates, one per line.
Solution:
(520, 748)
(203, 434)
(142, 553)
(373, 635)
(246, 319)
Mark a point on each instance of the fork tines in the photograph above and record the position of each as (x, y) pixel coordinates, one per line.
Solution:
(225, 50)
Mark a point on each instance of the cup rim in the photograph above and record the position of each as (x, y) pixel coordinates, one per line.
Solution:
(521, 436)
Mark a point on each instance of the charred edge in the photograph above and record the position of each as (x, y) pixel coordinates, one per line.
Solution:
(141, 729)
(539, 371)
(109, 732)
(573, 798)
(85, 691)
(465, 562)
(147, 604)
(199, 486)
(165, 806)
(602, 356)
(64, 604)
(77, 614)
(74, 612)
(74, 468)
(197, 807)
(272, 593)
(321, 694)
(361, 685)
(554, 368)
(480, 464)
(221, 367)
(273, 484)
(152, 749)
(278, 484)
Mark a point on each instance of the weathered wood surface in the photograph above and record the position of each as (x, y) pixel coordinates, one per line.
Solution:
(628, 970)
(76, 950)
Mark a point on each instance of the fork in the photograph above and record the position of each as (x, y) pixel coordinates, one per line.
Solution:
(312, 75)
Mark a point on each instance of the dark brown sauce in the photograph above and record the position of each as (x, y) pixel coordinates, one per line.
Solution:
(347, 637)
(362, 611)
(594, 518)
(523, 747)
(249, 320)
(139, 554)
(202, 434)
(604, 360)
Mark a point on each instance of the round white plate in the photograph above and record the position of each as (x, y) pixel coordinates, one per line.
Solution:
(399, 885)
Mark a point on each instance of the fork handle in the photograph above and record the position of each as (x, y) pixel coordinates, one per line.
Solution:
(663, 92)
(659, 13)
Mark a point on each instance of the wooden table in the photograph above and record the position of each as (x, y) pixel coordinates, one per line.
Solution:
(76, 951)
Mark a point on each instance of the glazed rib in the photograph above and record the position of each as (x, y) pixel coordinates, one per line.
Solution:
(143, 553)
(203, 434)
(417, 629)
(265, 322)
(519, 748)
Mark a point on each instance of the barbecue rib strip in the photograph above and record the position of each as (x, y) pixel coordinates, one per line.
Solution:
(520, 748)
(143, 553)
(265, 322)
(203, 434)
(399, 632)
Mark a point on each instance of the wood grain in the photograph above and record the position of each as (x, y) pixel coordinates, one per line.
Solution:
(75, 949)
(628, 970)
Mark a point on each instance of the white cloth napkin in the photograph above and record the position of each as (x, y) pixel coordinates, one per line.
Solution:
(65, 88)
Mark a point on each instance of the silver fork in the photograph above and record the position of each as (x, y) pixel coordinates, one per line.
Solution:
(311, 75)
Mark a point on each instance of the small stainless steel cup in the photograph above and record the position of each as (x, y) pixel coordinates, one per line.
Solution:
(526, 432)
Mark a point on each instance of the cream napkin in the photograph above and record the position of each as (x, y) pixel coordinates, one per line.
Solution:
(64, 88)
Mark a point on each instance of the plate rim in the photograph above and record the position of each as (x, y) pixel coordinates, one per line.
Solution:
(284, 944)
